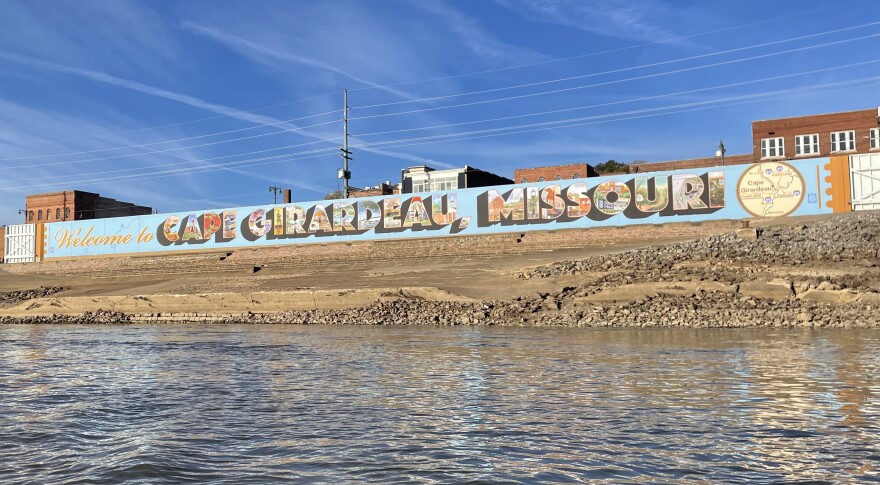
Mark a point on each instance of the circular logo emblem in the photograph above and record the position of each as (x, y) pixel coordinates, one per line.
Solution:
(770, 189)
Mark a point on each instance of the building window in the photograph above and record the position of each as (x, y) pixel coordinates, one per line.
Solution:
(449, 182)
(843, 141)
(31, 216)
(772, 148)
(875, 138)
(40, 215)
(66, 213)
(576, 176)
(524, 181)
(806, 144)
(540, 179)
(57, 214)
(559, 177)
(420, 186)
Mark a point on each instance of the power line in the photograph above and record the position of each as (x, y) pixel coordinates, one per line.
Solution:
(616, 81)
(191, 162)
(475, 102)
(625, 101)
(181, 171)
(70, 162)
(188, 138)
(625, 69)
(276, 157)
(438, 98)
(197, 120)
(778, 93)
(570, 120)
(459, 136)
(618, 49)
(798, 13)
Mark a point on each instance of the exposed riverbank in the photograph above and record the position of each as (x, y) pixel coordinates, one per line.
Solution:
(820, 273)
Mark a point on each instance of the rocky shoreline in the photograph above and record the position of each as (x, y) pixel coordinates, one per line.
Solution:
(824, 274)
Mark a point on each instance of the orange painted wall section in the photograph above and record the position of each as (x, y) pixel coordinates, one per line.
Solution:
(840, 192)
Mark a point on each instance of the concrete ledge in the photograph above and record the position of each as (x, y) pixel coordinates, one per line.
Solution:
(830, 296)
(776, 289)
(637, 291)
(207, 304)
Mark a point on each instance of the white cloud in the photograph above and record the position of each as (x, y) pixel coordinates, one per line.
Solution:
(123, 35)
(235, 113)
(28, 132)
(274, 54)
(623, 19)
(101, 77)
(475, 38)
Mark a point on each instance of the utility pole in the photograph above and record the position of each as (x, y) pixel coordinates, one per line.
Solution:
(275, 191)
(721, 151)
(345, 174)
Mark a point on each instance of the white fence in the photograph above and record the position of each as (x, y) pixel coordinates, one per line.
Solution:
(21, 243)
(864, 173)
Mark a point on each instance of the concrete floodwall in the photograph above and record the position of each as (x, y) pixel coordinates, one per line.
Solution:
(767, 189)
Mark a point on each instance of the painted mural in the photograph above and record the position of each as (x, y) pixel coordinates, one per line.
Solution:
(769, 189)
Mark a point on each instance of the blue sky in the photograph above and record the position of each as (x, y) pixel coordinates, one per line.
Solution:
(199, 104)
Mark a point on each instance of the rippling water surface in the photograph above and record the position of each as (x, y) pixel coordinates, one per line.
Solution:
(244, 404)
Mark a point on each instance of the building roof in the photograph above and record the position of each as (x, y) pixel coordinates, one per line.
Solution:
(62, 192)
(877, 110)
(557, 166)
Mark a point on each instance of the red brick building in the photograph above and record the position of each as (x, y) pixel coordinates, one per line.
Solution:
(817, 135)
(77, 205)
(796, 138)
(811, 136)
(2, 242)
(553, 172)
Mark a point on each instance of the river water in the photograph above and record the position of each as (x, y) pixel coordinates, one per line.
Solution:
(331, 404)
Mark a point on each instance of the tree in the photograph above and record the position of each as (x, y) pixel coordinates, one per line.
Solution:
(612, 166)
(336, 194)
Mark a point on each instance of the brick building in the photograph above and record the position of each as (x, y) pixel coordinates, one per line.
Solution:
(811, 136)
(77, 205)
(796, 138)
(817, 135)
(554, 172)
(2, 243)
(423, 178)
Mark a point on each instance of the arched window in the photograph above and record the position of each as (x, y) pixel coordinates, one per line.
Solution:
(40, 215)
(576, 176)
(66, 213)
(524, 181)
(559, 177)
(48, 214)
(540, 179)
(58, 214)
(31, 216)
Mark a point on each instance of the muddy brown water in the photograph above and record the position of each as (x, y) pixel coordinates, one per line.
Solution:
(347, 404)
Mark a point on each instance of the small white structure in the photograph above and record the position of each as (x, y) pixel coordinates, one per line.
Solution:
(864, 172)
(20, 244)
